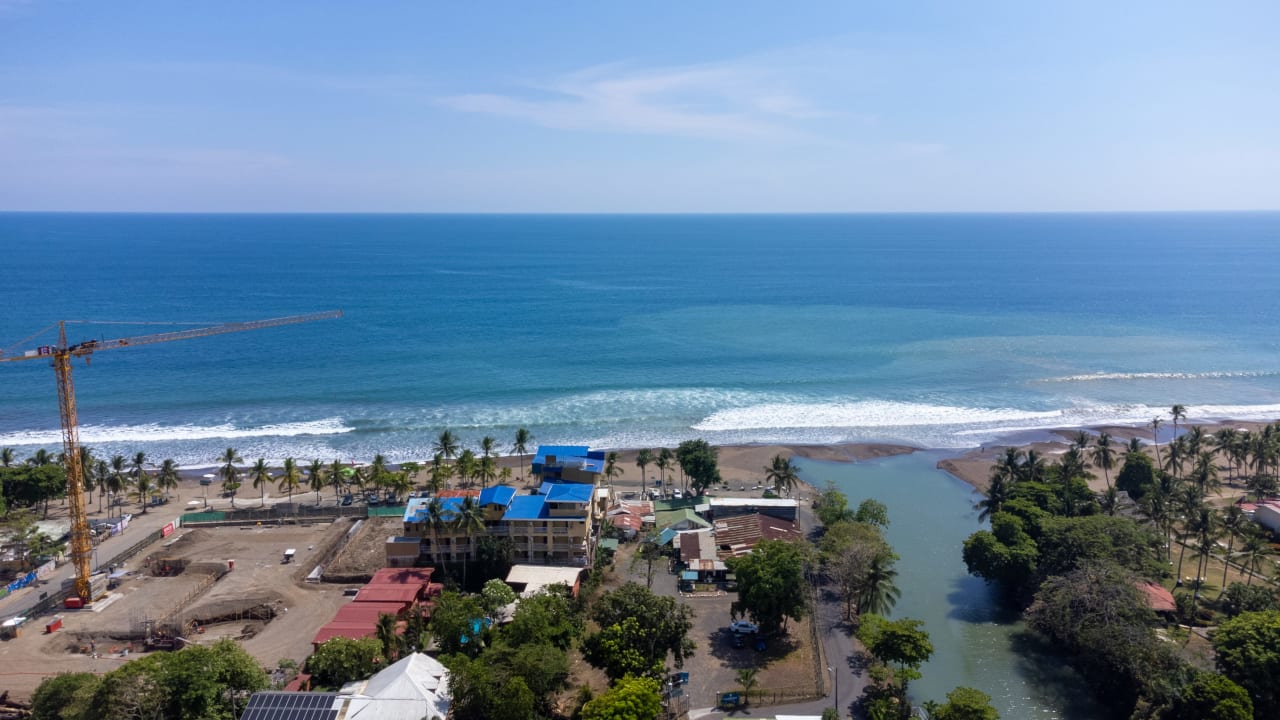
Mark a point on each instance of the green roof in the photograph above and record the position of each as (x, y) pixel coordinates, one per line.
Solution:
(609, 544)
(671, 517)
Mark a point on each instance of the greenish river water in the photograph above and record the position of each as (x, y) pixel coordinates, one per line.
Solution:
(975, 643)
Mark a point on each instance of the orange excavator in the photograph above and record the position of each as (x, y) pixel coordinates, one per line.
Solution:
(60, 356)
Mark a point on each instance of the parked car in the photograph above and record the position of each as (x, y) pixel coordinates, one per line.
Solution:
(743, 627)
(347, 499)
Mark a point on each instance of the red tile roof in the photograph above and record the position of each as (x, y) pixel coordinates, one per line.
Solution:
(458, 493)
(402, 576)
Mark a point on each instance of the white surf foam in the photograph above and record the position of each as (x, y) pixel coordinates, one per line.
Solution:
(91, 434)
(861, 414)
(1089, 377)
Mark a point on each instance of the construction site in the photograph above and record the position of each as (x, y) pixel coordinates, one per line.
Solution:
(198, 585)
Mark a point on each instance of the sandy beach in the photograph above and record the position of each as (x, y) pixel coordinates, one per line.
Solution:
(974, 466)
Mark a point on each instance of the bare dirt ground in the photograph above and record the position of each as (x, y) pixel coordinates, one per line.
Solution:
(365, 553)
(259, 587)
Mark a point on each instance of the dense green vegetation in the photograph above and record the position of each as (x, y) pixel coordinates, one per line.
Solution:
(196, 683)
(1075, 560)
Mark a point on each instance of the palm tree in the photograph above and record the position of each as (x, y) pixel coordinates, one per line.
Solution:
(643, 460)
(1207, 530)
(1155, 437)
(1205, 474)
(142, 488)
(336, 479)
(1179, 412)
(138, 465)
(665, 460)
(440, 473)
(1256, 549)
(167, 477)
(229, 472)
(315, 477)
(611, 469)
(446, 444)
(1081, 440)
(386, 634)
(747, 679)
(1188, 503)
(118, 479)
(260, 476)
(1032, 468)
(41, 458)
(998, 493)
(290, 478)
(487, 469)
(1104, 456)
(6, 457)
(521, 447)
(102, 478)
(466, 467)
(86, 470)
(781, 473)
(1109, 500)
(1232, 522)
(470, 520)
(401, 485)
(879, 591)
(436, 520)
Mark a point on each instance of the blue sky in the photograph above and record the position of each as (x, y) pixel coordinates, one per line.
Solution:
(638, 107)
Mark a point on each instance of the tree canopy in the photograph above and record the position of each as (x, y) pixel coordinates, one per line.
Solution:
(698, 460)
(638, 630)
(197, 682)
(631, 698)
(341, 660)
(1248, 652)
(771, 583)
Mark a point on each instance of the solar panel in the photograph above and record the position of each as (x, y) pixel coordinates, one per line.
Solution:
(291, 706)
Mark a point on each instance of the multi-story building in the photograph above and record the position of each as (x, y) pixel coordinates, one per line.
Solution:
(552, 526)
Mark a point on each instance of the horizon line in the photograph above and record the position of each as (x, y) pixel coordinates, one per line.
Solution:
(623, 213)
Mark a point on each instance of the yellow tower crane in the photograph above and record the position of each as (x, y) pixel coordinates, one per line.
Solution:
(60, 355)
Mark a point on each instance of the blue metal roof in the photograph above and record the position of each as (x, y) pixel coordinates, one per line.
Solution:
(569, 492)
(416, 510)
(560, 452)
(526, 507)
(497, 495)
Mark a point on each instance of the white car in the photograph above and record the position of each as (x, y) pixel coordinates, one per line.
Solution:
(744, 627)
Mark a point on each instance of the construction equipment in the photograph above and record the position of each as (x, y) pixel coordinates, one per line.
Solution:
(60, 355)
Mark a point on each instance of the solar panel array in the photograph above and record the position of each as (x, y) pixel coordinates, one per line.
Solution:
(291, 706)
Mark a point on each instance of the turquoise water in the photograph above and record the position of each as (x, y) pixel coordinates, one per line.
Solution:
(616, 331)
(975, 643)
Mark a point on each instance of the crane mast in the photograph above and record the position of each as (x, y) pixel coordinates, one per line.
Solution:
(61, 354)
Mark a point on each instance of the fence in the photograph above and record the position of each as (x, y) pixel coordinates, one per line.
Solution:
(54, 600)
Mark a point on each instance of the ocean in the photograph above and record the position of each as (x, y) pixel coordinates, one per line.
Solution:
(941, 331)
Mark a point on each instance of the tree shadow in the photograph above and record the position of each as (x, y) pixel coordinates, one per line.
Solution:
(777, 647)
(1055, 681)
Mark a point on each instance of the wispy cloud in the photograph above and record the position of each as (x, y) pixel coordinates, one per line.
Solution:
(732, 100)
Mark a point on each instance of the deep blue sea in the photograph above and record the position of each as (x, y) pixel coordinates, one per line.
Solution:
(620, 331)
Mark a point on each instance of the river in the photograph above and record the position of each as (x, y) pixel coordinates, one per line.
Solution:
(976, 644)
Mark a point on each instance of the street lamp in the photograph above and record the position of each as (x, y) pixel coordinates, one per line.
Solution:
(835, 680)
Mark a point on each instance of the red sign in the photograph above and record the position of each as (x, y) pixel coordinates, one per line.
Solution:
(167, 530)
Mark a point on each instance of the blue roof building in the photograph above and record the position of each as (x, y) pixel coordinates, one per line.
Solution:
(574, 463)
(499, 495)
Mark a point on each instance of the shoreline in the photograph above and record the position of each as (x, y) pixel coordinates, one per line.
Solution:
(740, 463)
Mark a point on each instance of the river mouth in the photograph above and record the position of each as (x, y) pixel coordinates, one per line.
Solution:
(977, 643)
